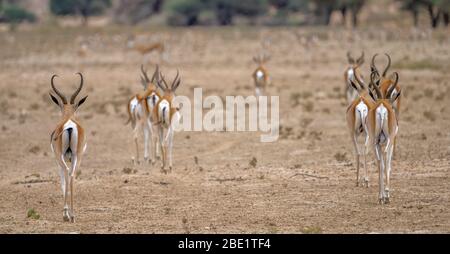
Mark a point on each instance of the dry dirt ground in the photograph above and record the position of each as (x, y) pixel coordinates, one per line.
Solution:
(302, 183)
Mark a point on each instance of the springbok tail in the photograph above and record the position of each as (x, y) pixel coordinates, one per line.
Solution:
(131, 117)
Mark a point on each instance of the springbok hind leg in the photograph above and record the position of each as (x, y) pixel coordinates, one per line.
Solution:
(388, 172)
(146, 144)
(381, 165)
(75, 163)
(163, 150)
(366, 152)
(355, 143)
(135, 160)
(170, 146)
(64, 186)
(72, 214)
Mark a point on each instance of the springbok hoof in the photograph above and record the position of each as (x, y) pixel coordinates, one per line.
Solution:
(366, 183)
(134, 161)
(66, 215)
(386, 196)
(72, 218)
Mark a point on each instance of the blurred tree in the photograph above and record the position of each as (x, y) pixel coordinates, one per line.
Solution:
(134, 11)
(435, 8)
(412, 6)
(354, 6)
(286, 7)
(324, 9)
(12, 13)
(85, 8)
(226, 9)
(184, 12)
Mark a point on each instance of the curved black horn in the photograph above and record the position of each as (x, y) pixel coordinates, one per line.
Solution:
(378, 91)
(155, 74)
(349, 57)
(387, 66)
(75, 94)
(372, 77)
(175, 80)
(144, 73)
(362, 55)
(393, 86)
(372, 65)
(63, 98)
(163, 81)
(360, 60)
(360, 82)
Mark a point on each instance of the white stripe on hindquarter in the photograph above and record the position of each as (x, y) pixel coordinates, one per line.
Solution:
(361, 111)
(259, 75)
(381, 125)
(164, 112)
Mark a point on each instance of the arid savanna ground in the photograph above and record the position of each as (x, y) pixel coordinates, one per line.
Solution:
(302, 183)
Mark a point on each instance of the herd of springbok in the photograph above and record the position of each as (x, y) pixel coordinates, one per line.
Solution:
(373, 113)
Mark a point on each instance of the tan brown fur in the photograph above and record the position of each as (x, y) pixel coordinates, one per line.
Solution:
(68, 111)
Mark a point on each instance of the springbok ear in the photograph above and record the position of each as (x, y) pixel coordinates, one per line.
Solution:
(353, 85)
(54, 99)
(143, 82)
(395, 97)
(372, 95)
(159, 85)
(360, 60)
(82, 101)
(176, 84)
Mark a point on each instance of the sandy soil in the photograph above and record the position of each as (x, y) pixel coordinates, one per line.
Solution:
(303, 183)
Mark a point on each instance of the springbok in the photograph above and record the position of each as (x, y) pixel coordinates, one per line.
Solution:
(385, 83)
(82, 49)
(383, 128)
(349, 75)
(140, 109)
(260, 75)
(146, 48)
(167, 115)
(68, 143)
(356, 115)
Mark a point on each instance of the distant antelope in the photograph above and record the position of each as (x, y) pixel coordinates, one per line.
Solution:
(383, 128)
(167, 115)
(140, 109)
(83, 49)
(349, 75)
(385, 83)
(356, 115)
(68, 143)
(260, 75)
(146, 48)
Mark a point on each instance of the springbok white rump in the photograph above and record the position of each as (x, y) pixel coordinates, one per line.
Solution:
(68, 143)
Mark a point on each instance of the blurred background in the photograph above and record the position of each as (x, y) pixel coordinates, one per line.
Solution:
(349, 13)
